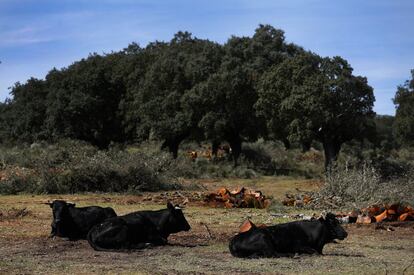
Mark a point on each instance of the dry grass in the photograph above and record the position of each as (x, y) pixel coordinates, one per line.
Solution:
(25, 248)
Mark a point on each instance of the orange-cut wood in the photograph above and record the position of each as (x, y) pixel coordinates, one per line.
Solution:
(246, 226)
(381, 217)
(408, 209)
(403, 217)
(222, 191)
(306, 199)
(406, 217)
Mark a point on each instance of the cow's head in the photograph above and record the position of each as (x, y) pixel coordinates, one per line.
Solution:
(60, 210)
(335, 230)
(176, 220)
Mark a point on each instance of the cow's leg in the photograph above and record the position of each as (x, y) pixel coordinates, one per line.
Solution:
(52, 232)
(256, 255)
(112, 236)
(152, 240)
(308, 250)
(267, 251)
(280, 254)
(263, 246)
(319, 247)
(158, 240)
(139, 245)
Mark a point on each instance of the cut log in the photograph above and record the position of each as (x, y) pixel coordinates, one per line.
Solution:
(381, 217)
(364, 219)
(246, 226)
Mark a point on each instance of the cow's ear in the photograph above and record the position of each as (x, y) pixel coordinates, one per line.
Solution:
(170, 206)
(71, 204)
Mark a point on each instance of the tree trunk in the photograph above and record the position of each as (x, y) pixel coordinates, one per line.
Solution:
(286, 142)
(306, 145)
(215, 147)
(173, 144)
(235, 145)
(174, 149)
(331, 150)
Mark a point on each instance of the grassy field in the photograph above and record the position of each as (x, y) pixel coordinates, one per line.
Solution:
(26, 249)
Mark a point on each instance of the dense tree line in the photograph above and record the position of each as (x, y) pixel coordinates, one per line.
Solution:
(404, 117)
(190, 88)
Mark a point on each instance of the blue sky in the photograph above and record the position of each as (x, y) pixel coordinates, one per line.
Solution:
(375, 36)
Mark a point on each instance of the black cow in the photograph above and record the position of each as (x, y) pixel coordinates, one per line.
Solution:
(138, 229)
(75, 222)
(288, 238)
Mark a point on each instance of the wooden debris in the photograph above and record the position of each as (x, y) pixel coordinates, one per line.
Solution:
(239, 198)
(385, 213)
(364, 219)
(248, 224)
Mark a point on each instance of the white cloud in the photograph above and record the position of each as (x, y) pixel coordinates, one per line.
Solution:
(24, 35)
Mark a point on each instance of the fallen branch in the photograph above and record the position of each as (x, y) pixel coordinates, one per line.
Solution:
(208, 230)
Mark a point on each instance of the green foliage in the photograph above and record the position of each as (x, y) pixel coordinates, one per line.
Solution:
(23, 117)
(83, 102)
(228, 96)
(384, 137)
(309, 98)
(404, 118)
(162, 94)
(191, 89)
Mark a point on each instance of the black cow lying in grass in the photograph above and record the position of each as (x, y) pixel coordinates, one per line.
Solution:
(287, 239)
(138, 229)
(75, 222)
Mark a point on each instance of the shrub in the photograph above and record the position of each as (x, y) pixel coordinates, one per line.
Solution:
(71, 167)
(352, 185)
(256, 159)
(15, 185)
(271, 158)
(364, 185)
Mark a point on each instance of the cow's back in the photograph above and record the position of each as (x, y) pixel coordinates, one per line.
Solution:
(294, 236)
(130, 231)
(86, 217)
